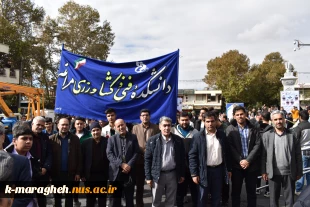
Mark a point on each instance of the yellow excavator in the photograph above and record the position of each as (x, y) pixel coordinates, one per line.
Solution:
(35, 99)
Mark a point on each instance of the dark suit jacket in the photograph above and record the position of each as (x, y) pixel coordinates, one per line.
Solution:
(46, 151)
(268, 154)
(197, 124)
(22, 178)
(254, 146)
(198, 156)
(87, 155)
(114, 154)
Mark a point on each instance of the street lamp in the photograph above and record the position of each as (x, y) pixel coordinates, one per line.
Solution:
(299, 44)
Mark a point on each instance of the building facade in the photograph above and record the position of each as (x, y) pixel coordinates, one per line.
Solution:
(195, 95)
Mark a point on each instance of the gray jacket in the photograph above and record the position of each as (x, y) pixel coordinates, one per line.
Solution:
(268, 154)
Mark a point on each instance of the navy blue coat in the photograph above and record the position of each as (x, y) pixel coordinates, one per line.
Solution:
(198, 156)
(153, 156)
(114, 154)
(22, 178)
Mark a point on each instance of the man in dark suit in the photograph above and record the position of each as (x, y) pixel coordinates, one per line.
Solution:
(95, 168)
(199, 123)
(244, 140)
(41, 150)
(281, 160)
(209, 161)
(122, 152)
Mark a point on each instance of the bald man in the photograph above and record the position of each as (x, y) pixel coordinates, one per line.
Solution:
(122, 152)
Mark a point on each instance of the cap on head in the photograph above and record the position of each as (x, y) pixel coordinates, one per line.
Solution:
(94, 125)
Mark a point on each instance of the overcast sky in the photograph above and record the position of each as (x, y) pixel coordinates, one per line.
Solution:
(202, 29)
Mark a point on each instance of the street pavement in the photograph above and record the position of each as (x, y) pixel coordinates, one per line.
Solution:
(261, 200)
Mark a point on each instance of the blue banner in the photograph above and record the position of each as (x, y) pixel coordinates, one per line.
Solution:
(87, 87)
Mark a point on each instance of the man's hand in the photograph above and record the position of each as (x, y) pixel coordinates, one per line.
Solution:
(149, 183)
(77, 178)
(181, 180)
(196, 179)
(44, 171)
(244, 164)
(126, 168)
(229, 175)
(265, 176)
(298, 177)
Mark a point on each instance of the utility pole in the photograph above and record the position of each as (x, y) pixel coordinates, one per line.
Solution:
(299, 44)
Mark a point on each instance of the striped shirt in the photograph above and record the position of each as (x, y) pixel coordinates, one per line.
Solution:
(244, 134)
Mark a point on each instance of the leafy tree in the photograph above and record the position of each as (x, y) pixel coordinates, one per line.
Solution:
(266, 76)
(229, 73)
(80, 31)
(254, 85)
(35, 43)
(77, 27)
(17, 19)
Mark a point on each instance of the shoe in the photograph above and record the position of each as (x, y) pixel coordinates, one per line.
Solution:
(297, 193)
(258, 192)
(185, 199)
(267, 194)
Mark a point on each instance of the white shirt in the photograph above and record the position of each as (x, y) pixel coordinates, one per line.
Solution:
(214, 150)
(105, 132)
(202, 125)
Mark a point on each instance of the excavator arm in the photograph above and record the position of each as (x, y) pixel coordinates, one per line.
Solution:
(34, 97)
(6, 110)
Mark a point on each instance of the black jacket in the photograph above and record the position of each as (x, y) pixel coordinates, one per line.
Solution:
(254, 146)
(87, 153)
(265, 128)
(197, 124)
(198, 156)
(46, 150)
(35, 165)
(153, 156)
(302, 132)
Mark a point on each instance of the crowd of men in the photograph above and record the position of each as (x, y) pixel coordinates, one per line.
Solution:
(202, 153)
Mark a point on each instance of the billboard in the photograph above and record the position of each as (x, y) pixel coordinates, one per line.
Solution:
(289, 99)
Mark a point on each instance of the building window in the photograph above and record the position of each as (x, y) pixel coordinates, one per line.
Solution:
(12, 73)
(2, 71)
(200, 97)
(211, 98)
